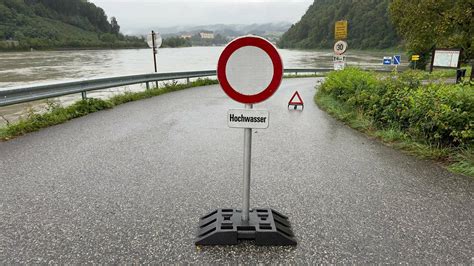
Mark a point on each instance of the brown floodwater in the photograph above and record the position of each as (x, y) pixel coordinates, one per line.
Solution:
(42, 67)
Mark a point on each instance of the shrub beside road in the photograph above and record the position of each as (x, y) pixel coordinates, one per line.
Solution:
(433, 120)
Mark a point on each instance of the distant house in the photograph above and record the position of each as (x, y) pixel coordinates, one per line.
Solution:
(206, 35)
(186, 36)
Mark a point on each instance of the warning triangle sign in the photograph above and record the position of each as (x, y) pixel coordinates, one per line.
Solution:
(299, 101)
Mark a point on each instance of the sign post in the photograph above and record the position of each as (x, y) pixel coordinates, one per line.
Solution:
(249, 71)
(154, 41)
(340, 47)
(247, 169)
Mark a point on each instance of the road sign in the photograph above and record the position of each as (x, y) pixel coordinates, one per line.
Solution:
(448, 58)
(339, 65)
(415, 58)
(158, 40)
(339, 62)
(250, 69)
(387, 60)
(397, 59)
(340, 30)
(248, 118)
(296, 102)
(154, 40)
(340, 47)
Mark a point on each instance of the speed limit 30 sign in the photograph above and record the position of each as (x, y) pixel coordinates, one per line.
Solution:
(340, 47)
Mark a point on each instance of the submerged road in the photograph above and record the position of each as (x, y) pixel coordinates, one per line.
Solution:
(128, 185)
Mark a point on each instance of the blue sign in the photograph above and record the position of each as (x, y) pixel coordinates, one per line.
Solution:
(387, 60)
(397, 59)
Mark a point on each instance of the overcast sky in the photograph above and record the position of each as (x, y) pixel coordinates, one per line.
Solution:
(135, 14)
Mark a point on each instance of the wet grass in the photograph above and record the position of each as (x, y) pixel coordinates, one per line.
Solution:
(56, 114)
(455, 159)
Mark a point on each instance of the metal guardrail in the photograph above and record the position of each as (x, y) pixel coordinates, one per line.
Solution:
(33, 93)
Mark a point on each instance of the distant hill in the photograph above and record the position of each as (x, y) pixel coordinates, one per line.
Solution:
(269, 30)
(369, 25)
(41, 24)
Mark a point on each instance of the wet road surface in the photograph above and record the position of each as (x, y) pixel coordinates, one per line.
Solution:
(128, 186)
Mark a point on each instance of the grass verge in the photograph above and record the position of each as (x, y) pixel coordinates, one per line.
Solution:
(57, 114)
(455, 159)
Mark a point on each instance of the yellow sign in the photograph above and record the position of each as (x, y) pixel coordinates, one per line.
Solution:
(415, 57)
(340, 30)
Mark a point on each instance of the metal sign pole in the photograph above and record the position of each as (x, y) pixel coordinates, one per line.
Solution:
(154, 48)
(154, 52)
(247, 169)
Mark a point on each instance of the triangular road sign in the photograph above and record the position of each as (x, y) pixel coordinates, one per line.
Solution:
(297, 102)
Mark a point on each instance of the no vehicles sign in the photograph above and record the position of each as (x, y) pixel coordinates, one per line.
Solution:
(250, 69)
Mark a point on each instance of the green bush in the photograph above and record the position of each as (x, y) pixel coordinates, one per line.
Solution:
(440, 114)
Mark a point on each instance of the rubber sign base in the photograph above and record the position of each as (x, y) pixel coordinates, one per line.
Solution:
(266, 227)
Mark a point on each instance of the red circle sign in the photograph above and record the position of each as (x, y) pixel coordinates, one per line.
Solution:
(271, 52)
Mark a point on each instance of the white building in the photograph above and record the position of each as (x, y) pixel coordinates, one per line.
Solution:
(206, 35)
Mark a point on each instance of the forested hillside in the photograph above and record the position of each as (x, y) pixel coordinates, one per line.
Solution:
(369, 25)
(41, 24)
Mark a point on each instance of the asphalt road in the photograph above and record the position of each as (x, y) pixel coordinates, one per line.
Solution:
(128, 186)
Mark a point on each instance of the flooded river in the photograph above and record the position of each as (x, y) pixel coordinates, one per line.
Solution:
(17, 69)
(42, 67)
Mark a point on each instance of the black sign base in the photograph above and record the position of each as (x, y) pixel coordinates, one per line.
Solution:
(266, 227)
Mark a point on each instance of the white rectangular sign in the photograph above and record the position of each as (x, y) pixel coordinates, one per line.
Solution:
(446, 58)
(248, 118)
(339, 65)
(339, 58)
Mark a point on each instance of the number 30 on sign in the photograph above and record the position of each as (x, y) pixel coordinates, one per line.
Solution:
(340, 47)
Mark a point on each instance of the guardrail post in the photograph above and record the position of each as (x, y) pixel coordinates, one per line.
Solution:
(148, 85)
(157, 84)
(84, 95)
(296, 73)
(187, 80)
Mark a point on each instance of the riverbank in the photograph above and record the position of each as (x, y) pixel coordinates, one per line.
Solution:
(432, 121)
(84, 48)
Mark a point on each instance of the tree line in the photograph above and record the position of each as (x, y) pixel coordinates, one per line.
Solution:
(420, 26)
(368, 22)
(60, 23)
(426, 25)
